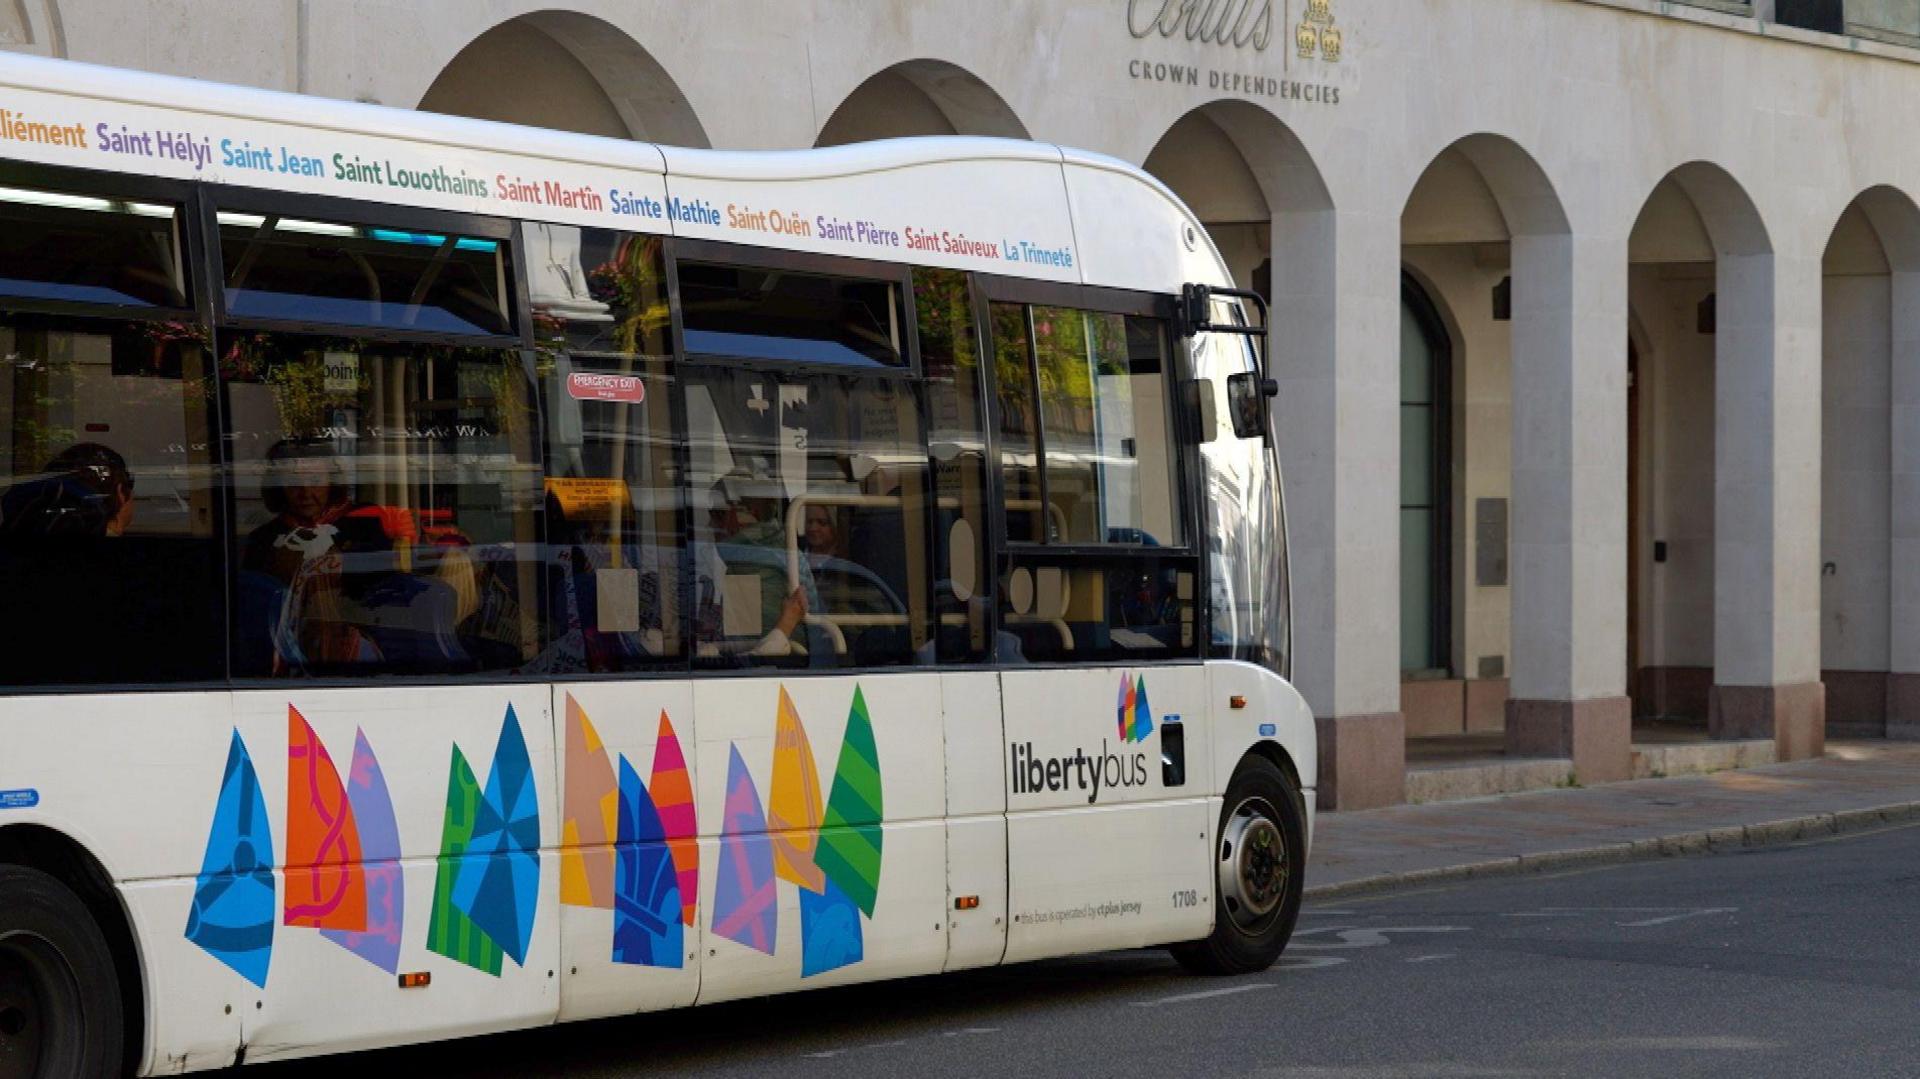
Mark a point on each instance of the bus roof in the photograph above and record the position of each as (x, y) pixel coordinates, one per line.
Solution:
(1023, 209)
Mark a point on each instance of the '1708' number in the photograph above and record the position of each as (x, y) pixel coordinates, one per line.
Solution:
(1187, 898)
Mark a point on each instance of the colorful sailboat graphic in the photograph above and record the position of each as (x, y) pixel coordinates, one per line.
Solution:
(672, 790)
(830, 933)
(744, 907)
(326, 883)
(498, 885)
(794, 811)
(450, 932)
(850, 846)
(591, 803)
(232, 917)
(647, 930)
(372, 806)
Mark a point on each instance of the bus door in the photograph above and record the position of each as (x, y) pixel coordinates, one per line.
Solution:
(1107, 844)
(1104, 698)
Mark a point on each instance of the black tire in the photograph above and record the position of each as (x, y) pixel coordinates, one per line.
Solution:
(1253, 920)
(60, 1011)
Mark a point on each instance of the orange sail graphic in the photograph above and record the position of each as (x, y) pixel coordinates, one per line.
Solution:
(326, 884)
(587, 825)
(794, 805)
(672, 792)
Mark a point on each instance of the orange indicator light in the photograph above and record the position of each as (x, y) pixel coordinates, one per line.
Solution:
(417, 979)
(966, 902)
(1237, 701)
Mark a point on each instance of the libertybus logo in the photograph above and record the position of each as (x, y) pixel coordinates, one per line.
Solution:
(1133, 715)
(1108, 768)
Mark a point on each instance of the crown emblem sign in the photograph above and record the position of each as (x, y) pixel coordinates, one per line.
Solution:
(1307, 38)
(1317, 35)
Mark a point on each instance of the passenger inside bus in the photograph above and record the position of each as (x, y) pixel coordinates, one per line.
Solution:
(83, 594)
(330, 582)
(295, 565)
(85, 491)
(745, 535)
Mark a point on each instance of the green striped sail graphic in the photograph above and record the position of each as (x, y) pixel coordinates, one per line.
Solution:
(849, 851)
(450, 932)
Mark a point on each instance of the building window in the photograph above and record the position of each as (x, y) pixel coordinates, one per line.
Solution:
(1426, 453)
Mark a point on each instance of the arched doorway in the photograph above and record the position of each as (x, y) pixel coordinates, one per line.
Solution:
(567, 71)
(1534, 496)
(1719, 546)
(920, 97)
(1870, 344)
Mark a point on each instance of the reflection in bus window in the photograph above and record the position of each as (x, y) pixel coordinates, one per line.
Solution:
(89, 249)
(107, 554)
(386, 499)
(809, 543)
(957, 444)
(291, 269)
(1104, 406)
(746, 312)
(613, 532)
(1019, 424)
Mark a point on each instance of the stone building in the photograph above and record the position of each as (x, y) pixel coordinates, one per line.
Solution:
(1598, 321)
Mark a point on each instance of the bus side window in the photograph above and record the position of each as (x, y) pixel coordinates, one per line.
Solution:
(108, 559)
(385, 490)
(1103, 488)
(615, 556)
(807, 470)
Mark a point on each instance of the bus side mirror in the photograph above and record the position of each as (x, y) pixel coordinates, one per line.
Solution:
(1200, 406)
(1247, 395)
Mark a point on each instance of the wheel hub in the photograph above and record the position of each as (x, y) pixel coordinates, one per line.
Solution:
(1253, 869)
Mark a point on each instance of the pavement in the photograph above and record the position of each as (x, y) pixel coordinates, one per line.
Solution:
(1857, 785)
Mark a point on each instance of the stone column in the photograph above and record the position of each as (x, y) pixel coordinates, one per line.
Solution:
(1767, 504)
(1903, 678)
(1569, 505)
(1336, 355)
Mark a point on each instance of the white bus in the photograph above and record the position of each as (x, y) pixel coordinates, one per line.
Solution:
(459, 577)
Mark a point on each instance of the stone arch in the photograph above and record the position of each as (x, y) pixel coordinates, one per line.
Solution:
(1698, 201)
(1734, 387)
(1541, 611)
(920, 97)
(572, 72)
(1247, 176)
(1508, 191)
(1870, 462)
(33, 26)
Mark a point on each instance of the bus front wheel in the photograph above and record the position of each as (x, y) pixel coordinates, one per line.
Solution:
(59, 995)
(1259, 874)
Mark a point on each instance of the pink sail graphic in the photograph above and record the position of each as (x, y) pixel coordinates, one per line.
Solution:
(744, 908)
(672, 791)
